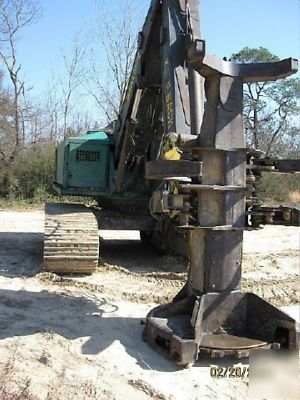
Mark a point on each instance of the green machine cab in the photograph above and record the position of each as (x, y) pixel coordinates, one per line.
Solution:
(84, 165)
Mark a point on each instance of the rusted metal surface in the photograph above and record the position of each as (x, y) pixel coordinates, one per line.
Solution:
(207, 65)
(256, 214)
(218, 324)
(211, 314)
(284, 166)
(163, 169)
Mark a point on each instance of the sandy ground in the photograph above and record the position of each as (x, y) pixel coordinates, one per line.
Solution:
(80, 338)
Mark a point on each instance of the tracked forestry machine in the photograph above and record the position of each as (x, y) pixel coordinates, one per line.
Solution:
(175, 167)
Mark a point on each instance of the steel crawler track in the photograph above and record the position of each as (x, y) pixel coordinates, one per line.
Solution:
(71, 239)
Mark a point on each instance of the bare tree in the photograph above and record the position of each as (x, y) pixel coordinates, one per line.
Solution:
(52, 111)
(6, 128)
(113, 55)
(54, 118)
(72, 78)
(35, 122)
(14, 16)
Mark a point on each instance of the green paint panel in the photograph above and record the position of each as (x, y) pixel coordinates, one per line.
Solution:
(83, 164)
(87, 164)
(60, 155)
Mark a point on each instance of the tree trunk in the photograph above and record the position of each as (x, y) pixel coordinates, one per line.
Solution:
(255, 127)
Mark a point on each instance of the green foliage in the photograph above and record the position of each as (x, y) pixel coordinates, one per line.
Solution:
(32, 173)
(28, 180)
(248, 55)
(270, 108)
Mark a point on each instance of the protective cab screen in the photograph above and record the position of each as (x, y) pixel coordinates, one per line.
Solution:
(91, 156)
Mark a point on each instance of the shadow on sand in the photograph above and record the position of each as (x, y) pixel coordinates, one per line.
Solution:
(73, 317)
(21, 254)
(25, 313)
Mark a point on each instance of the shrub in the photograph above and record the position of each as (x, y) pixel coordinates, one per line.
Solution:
(281, 188)
(32, 173)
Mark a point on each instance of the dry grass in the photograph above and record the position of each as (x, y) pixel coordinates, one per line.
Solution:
(295, 197)
(147, 389)
(11, 390)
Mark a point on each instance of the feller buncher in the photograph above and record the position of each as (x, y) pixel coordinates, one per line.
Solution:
(175, 167)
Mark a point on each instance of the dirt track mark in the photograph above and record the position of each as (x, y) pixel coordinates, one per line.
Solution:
(153, 288)
(280, 292)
